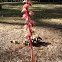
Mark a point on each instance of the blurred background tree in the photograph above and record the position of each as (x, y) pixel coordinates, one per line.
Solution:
(31, 0)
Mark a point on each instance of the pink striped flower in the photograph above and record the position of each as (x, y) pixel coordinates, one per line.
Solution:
(31, 13)
(24, 10)
(27, 19)
(24, 16)
(32, 22)
(26, 27)
(26, 6)
(27, 36)
(30, 3)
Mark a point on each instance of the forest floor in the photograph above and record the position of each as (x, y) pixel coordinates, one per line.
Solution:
(48, 19)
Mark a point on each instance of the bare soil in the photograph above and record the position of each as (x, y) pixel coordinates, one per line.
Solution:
(49, 49)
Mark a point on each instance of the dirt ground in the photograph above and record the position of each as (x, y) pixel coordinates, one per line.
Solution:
(48, 26)
(49, 49)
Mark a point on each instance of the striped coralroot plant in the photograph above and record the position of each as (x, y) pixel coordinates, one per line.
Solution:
(29, 23)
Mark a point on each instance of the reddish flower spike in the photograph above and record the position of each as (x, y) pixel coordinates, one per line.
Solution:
(30, 23)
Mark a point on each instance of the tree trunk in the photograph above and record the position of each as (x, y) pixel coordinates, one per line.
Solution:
(0, 6)
(8, 0)
(48, 0)
(12, 0)
(39, 0)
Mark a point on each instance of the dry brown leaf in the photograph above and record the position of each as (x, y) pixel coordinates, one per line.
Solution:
(15, 42)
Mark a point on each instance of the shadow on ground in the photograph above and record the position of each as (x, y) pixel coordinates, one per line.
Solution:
(43, 13)
(41, 44)
(10, 13)
(39, 14)
(11, 3)
(12, 23)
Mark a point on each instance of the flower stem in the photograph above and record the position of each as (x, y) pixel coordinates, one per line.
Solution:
(31, 50)
(30, 42)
